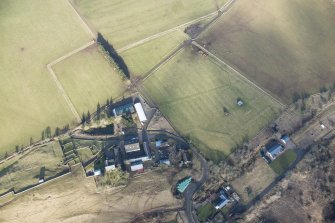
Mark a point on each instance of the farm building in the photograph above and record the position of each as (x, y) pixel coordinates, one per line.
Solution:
(182, 185)
(239, 102)
(136, 166)
(109, 165)
(123, 107)
(97, 172)
(221, 201)
(135, 151)
(132, 147)
(284, 139)
(140, 112)
(110, 159)
(161, 143)
(163, 154)
(275, 150)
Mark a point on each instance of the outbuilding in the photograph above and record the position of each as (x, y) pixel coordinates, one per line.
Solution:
(140, 112)
(284, 139)
(275, 150)
(136, 166)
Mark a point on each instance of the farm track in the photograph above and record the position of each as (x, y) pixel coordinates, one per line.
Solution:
(217, 13)
(157, 35)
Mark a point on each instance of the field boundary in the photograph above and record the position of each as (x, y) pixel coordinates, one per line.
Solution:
(53, 74)
(160, 34)
(88, 28)
(58, 83)
(238, 73)
(15, 194)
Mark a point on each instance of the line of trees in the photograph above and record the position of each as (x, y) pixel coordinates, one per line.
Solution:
(117, 59)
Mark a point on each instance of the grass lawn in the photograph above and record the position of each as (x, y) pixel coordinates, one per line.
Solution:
(280, 164)
(128, 21)
(84, 153)
(144, 57)
(25, 170)
(205, 211)
(34, 33)
(285, 46)
(257, 180)
(192, 89)
(88, 78)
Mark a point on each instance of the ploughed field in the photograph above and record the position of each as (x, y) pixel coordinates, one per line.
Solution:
(284, 46)
(193, 90)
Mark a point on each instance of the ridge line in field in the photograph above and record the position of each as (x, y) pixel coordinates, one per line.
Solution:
(88, 28)
(238, 73)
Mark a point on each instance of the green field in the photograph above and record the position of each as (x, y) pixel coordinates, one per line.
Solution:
(192, 89)
(34, 33)
(142, 58)
(88, 78)
(84, 153)
(25, 170)
(205, 211)
(285, 46)
(280, 164)
(125, 22)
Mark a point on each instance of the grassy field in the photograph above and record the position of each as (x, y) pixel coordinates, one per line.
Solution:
(84, 153)
(34, 33)
(285, 46)
(192, 89)
(88, 78)
(280, 164)
(74, 198)
(128, 21)
(25, 170)
(257, 180)
(205, 211)
(144, 57)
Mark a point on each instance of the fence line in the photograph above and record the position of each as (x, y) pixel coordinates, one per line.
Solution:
(29, 188)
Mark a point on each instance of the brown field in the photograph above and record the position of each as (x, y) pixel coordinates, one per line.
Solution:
(257, 179)
(285, 46)
(74, 198)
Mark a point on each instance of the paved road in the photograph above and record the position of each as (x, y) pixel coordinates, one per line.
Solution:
(194, 187)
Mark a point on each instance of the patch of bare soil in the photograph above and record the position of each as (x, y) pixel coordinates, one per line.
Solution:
(74, 198)
(158, 122)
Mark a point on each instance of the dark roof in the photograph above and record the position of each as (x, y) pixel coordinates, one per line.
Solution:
(125, 106)
(163, 153)
(285, 138)
(136, 162)
(136, 154)
(109, 154)
(275, 149)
